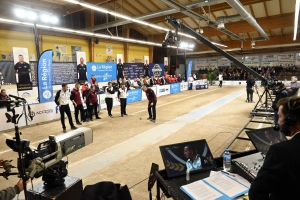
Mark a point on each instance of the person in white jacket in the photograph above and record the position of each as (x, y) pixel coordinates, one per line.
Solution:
(190, 80)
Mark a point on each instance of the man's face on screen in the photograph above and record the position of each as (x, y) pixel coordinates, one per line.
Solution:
(188, 153)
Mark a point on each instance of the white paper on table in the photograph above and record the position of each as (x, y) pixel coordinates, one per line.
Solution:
(241, 180)
(201, 191)
(226, 185)
(212, 173)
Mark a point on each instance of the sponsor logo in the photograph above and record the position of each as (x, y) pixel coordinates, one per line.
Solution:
(157, 70)
(47, 94)
(26, 95)
(94, 68)
(42, 112)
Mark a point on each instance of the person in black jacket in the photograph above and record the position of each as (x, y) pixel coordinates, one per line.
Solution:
(279, 175)
(3, 96)
(249, 88)
(281, 93)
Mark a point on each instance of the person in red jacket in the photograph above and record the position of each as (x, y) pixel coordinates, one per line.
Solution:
(93, 80)
(152, 99)
(76, 99)
(158, 81)
(170, 79)
(93, 103)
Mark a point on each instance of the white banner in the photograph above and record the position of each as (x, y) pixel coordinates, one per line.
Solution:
(269, 64)
(239, 58)
(251, 64)
(286, 62)
(6, 126)
(212, 60)
(166, 62)
(163, 90)
(184, 86)
(243, 83)
(270, 57)
(146, 58)
(44, 112)
(223, 60)
(283, 57)
(252, 58)
(80, 54)
(119, 56)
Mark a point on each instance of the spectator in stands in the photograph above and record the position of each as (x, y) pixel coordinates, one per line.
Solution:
(120, 82)
(294, 69)
(115, 85)
(179, 79)
(135, 83)
(170, 79)
(93, 80)
(83, 87)
(93, 103)
(146, 81)
(293, 89)
(3, 96)
(139, 82)
(97, 89)
(175, 79)
(190, 80)
(163, 80)
(152, 81)
(195, 76)
(158, 81)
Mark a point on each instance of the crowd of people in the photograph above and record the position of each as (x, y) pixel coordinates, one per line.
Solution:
(237, 73)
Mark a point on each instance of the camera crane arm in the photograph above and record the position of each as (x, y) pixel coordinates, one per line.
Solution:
(176, 24)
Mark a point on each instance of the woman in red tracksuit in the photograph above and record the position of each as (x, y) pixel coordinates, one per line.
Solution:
(92, 100)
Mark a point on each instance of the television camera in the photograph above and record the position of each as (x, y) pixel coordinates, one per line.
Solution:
(170, 38)
(46, 160)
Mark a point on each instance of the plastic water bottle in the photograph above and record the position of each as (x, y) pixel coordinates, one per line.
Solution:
(187, 174)
(227, 161)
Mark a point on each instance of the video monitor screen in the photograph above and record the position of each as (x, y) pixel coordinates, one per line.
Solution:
(194, 155)
(263, 138)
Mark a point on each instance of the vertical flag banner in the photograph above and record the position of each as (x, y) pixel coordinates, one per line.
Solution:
(189, 70)
(104, 72)
(45, 76)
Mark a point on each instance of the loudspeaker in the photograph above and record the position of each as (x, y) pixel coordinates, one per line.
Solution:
(97, 41)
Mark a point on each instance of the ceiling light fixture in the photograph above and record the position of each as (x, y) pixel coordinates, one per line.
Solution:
(218, 44)
(79, 32)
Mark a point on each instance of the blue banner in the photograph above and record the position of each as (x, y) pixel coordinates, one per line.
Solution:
(134, 95)
(104, 72)
(174, 88)
(156, 69)
(189, 70)
(133, 70)
(45, 76)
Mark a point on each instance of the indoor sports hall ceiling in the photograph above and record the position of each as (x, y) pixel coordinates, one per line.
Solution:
(276, 18)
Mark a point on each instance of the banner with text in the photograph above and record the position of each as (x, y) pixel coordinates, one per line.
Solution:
(104, 72)
(156, 69)
(45, 76)
(134, 95)
(174, 88)
(133, 70)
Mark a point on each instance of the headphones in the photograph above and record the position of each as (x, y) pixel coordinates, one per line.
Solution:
(291, 119)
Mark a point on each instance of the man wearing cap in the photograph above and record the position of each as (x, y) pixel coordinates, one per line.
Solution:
(152, 100)
(293, 89)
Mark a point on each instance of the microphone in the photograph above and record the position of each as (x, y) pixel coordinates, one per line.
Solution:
(13, 96)
(29, 110)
